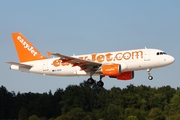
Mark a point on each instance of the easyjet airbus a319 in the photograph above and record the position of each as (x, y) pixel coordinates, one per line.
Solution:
(119, 65)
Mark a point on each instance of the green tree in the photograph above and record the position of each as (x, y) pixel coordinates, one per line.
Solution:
(158, 100)
(103, 99)
(140, 114)
(175, 103)
(92, 102)
(128, 112)
(56, 101)
(167, 91)
(73, 97)
(113, 112)
(156, 114)
(6, 104)
(76, 114)
(62, 117)
(22, 114)
(174, 117)
(131, 117)
(52, 119)
(33, 117)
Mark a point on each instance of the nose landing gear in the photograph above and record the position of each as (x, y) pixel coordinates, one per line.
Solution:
(149, 73)
(150, 77)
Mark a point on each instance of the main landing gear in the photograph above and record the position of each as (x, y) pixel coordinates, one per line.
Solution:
(91, 81)
(149, 73)
(100, 83)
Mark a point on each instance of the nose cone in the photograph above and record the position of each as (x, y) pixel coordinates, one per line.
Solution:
(171, 59)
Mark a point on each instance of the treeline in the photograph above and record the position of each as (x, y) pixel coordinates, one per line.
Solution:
(84, 102)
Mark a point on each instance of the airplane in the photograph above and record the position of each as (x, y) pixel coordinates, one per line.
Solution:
(119, 64)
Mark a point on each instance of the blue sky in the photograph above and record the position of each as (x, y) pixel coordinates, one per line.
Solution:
(80, 27)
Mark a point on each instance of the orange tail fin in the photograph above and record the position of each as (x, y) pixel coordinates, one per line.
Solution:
(25, 50)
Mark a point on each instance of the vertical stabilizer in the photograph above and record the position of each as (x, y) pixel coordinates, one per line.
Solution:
(25, 50)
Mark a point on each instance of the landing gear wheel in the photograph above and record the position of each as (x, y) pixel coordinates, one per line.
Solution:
(100, 84)
(149, 73)
(91, 81)
(150, 77)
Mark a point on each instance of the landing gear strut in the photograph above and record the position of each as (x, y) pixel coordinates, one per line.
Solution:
(91, 80)
(149, 73)
(100, 83)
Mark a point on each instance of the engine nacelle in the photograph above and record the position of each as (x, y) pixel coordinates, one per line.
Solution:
(111, 70)
(126, 75)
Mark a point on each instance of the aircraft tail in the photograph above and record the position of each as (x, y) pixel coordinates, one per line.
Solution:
(25, 50)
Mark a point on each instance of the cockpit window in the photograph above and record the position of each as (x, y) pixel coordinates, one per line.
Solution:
(164, 53)
(161, 53)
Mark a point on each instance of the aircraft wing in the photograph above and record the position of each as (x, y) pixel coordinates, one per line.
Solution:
(84, 64)
(20, 64)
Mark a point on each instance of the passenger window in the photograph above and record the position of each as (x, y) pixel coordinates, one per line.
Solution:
(157, 53)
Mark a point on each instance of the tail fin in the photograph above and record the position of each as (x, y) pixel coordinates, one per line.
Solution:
(25, 50)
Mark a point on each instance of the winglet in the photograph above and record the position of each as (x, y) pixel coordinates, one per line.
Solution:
(49, 53)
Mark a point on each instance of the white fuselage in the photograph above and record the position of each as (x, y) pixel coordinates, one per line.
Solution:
(131, 60)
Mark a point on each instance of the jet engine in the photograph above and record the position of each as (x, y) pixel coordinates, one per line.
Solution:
(117, 71)
(113, 69)
(126, 75)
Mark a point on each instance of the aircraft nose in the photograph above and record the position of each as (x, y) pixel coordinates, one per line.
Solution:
(171, 59)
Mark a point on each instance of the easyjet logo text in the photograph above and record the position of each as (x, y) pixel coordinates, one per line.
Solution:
(114, 56)
(108, 57)
(27, 46)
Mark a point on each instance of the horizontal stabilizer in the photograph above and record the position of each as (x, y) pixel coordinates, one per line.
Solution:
(20, 64)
